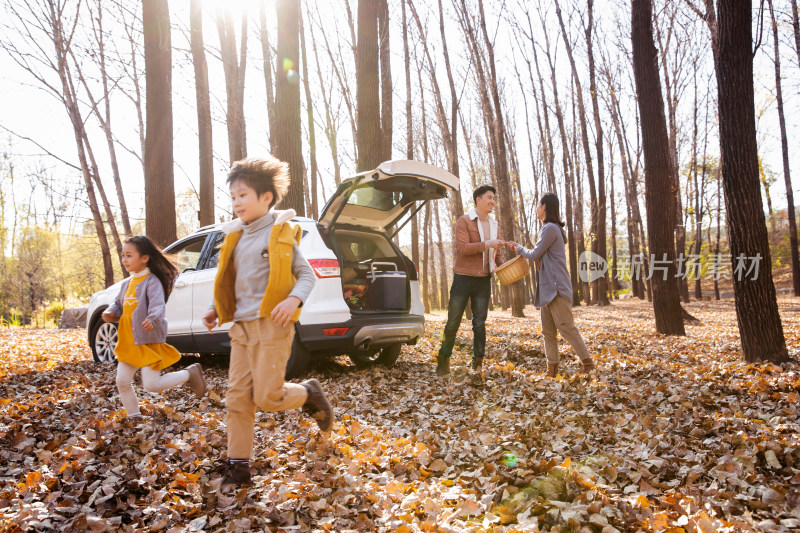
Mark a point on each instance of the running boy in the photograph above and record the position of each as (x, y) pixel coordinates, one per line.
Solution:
(262, 280)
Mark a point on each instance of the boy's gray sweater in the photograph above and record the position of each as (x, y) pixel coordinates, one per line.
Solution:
(251, 263)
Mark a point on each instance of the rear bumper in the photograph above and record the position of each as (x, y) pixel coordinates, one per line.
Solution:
(363, 334)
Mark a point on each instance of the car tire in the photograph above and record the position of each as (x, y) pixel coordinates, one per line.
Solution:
(386, 356)
(299, 360)
(103, 341)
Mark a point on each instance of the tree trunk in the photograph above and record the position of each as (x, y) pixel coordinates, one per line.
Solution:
(105, 120)
(578, 97)
(159, 190)
(312, 137)
(443, 281)
(615, 269)
(331, 126)
(757, 313)
(266, 53)
(601, 284)
(426, 270)
(504, 190)
(386, 79)
(658, 170)
(410, 132)
(796, 29)
(288, 142)
(368, 131)
(234, 69)
(206, 150)
(785, 152)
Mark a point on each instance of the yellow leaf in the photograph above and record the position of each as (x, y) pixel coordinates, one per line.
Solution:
(566, 463)
(642, 501)
(33, 478)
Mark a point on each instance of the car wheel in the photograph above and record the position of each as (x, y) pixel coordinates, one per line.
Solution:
(386, 356)
(104, 340)
(300, 358)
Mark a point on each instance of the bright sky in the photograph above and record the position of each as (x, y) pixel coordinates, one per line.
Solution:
(29, 111)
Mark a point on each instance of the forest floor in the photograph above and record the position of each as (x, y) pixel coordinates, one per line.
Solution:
(672, 434)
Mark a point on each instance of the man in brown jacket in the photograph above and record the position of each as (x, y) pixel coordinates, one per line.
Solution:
(476, 257)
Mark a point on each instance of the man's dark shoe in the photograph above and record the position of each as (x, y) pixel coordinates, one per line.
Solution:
(443, 368)
(477, 364)
(317, 405)
(233, 473)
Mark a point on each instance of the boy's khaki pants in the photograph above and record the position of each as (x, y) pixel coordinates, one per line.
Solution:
(260, 350)
(557, 317)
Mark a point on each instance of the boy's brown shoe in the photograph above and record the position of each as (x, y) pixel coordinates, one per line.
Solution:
(552, 370)
(232, 473)
(196, 381)
(588, 366)
(317, 405)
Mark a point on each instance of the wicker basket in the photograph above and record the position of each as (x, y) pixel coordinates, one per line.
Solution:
(512, 270)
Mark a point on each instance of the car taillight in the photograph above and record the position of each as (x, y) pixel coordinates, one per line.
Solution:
(325, 268)
(335, 332)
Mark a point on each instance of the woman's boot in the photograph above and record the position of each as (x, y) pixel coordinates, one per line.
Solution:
(552, 370)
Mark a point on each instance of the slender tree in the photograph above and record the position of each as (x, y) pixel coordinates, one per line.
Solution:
(205, 147)
(312, 136)
(159, 190)
(785, 152)
(288, 141)
(234, 65)
(658, 170)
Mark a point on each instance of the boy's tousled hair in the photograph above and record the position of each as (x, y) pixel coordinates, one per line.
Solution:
(480, 191)
(159, 265)
(263, 174)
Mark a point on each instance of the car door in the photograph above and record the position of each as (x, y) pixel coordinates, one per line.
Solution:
(203, 293)
(377, 200)
(186, 256)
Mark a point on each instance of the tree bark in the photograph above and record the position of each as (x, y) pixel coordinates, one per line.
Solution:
(331, 125)
(578, 97)
(105, 119)
(159, 189)
(505, 188)
(785, 152)
(410, 131)
(266, 53)
(288, 142)
(234, 69)
(757, 313)
(601, 284)
(386, 79)
(206, 149)
(368, 131)
(312, 137)
(658, 170)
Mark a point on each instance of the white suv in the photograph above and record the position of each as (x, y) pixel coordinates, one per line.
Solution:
(366, 302)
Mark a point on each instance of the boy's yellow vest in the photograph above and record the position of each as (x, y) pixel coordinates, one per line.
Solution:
(282, 239)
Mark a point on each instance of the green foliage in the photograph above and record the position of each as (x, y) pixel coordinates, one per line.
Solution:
(53, 311)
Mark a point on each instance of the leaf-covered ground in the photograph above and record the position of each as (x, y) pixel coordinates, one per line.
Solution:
(673, 434)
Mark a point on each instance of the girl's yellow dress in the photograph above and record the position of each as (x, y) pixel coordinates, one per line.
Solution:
(157, 356)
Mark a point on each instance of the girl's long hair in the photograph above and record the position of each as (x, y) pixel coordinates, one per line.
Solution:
(158, 264)
(552, 212)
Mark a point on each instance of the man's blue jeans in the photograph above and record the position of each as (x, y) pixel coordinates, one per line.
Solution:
(478, 291)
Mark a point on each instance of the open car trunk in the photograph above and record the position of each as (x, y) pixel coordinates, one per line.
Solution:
(360, 220)
(375, 274)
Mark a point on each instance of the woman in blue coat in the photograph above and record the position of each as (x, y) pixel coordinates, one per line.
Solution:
(554, 288)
